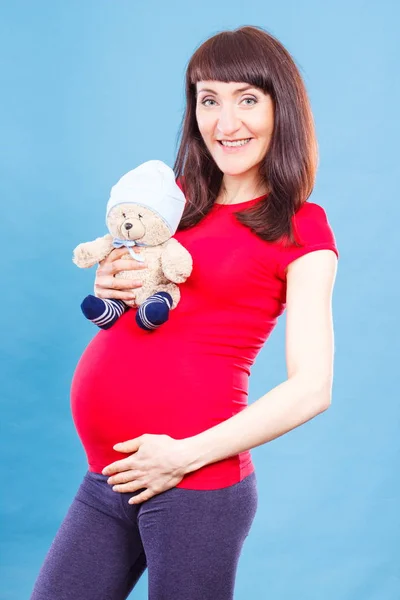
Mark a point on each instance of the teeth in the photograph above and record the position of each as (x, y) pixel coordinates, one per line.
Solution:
(236, 143)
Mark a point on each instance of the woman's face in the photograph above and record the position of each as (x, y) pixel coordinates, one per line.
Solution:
(234, 112)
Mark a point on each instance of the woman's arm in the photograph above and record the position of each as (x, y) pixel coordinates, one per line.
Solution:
(309, 358)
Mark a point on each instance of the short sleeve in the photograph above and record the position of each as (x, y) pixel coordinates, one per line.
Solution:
(180, 182)
(312, 229)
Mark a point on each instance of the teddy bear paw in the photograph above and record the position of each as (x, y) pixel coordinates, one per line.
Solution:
(82, 257)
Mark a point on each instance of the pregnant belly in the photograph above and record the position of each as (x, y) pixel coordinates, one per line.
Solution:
(129, 382)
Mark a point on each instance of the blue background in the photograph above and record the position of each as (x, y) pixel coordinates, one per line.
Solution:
(91, 89)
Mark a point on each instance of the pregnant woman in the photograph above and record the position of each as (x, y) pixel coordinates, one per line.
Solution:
(163, 415)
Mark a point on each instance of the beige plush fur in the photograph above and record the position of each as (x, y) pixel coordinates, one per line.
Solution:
(168, 261)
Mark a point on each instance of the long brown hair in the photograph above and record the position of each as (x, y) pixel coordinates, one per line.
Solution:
(251, 55)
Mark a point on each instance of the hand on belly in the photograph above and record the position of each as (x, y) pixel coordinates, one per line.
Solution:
(156, 462)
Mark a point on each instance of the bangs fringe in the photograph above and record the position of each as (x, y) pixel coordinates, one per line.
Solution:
(231, 56)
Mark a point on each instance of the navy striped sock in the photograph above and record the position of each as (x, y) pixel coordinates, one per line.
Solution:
(154, 311)
(102, 313)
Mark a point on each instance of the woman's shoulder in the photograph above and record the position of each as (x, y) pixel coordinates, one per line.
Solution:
(310, 210)
(310, 220)
(312, 230)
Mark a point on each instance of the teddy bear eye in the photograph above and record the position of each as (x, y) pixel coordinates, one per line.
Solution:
(140, 216)
(124, 215)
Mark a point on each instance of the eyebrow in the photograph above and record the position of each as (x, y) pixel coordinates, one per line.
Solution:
(242, 89)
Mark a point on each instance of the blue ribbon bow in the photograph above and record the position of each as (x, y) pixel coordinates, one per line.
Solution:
(118, 243)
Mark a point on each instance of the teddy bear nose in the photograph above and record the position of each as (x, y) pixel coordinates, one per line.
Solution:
(128, 225)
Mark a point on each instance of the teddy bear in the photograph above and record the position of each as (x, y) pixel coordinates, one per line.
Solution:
(142, 214)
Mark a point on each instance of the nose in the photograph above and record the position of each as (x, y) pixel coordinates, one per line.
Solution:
(228, 121)
(128, 225)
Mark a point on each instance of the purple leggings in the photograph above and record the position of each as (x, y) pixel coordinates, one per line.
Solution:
(190, 540)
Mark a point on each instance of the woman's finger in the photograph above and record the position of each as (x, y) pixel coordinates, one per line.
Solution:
(115, 254)
(118, 265)
(130, 486)
(108, 294)
(124, 476)
(116, 283)
(143, 497)
(118, 289)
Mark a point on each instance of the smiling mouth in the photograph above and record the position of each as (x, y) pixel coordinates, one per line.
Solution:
(234, 143)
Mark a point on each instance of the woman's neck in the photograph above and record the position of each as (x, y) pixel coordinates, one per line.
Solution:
(234, 191)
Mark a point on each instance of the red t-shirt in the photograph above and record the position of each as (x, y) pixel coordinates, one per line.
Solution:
(192, 373)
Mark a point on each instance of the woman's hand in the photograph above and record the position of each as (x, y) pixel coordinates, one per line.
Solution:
(158, 464)
(108, 286)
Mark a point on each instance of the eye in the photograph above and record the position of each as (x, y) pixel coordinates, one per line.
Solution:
(252, 100)
(140, 216)
(124, 215)
(207, 100)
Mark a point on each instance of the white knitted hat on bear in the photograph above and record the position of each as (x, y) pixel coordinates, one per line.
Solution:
(152, 184)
